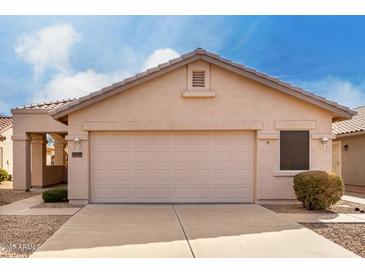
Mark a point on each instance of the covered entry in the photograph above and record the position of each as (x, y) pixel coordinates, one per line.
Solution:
(172, 166)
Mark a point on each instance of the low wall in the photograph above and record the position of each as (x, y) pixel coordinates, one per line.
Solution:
(53, 175)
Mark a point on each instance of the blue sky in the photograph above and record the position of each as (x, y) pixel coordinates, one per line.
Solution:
(51, 57)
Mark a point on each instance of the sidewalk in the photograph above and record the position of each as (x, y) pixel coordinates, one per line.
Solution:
(23, 207)
(354, 197)
(324, 218)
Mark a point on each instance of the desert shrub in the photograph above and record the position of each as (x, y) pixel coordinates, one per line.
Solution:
(318, 190)
(55, 195)
(4, 175)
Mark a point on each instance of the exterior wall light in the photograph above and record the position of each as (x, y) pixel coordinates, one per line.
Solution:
(324, 140)
(77, 144)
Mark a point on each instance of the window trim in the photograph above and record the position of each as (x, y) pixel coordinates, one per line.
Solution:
(291, 172)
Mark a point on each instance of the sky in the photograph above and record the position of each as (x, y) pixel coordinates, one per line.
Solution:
(47, 58)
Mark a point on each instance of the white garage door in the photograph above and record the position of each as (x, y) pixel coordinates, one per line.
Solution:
(179, 166)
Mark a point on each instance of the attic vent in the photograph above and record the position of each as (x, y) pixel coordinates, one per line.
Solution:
(198, 80)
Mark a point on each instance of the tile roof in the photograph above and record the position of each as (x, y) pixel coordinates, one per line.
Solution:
(5, 122)
(47, 105)
(61, 111)
(356, 124)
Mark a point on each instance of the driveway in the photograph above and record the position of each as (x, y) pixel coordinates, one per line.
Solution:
(226, 230)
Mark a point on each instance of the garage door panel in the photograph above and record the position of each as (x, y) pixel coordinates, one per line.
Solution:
(120, 174)
(182, 174)
(160, 174)
(172, 166)
(120, 156)
(223, 192)
(161, 156)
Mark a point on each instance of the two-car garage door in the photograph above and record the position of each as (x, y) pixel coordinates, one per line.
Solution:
(171, 166)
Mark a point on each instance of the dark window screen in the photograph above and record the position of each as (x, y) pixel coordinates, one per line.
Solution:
(294, 150)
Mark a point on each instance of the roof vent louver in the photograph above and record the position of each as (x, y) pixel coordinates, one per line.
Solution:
(198, 79)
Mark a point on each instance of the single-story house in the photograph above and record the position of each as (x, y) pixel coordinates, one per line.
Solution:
(6, 144)
(199, 128)
(349, 151)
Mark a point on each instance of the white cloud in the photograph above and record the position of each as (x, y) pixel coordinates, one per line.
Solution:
(339, 90)
(48, 48)
(64, 86)
(160, 56)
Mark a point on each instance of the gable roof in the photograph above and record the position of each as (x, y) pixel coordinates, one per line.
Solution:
(339, 111)
(5, 122)
(354, 125)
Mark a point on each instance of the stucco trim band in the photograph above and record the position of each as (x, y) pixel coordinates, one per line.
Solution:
(20, 138)
(290, 124)
(173, 125)
(81, 136)
(267, 135)
(198, 93)
(321, 135)
(287, 173)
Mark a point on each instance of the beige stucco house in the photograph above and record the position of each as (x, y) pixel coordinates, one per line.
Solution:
(198, 128)
(6, 144)
(349, 151)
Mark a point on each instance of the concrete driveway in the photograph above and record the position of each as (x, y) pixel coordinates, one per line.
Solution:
(185, 231)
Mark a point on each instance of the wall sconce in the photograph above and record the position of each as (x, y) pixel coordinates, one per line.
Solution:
(324, 141)
(77, 144)
(346, 147)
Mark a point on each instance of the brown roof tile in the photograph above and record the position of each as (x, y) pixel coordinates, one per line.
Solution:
(48, 105)
(5, 122)
(61, 108)
(356, 124)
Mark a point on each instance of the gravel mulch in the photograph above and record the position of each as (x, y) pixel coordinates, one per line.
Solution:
(21, 235)
(350, 236)
(340, 207)
(8, 196)
(57, 205)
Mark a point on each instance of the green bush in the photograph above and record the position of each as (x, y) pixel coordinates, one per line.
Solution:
(55, 195)
(4, 175)
(318, 190)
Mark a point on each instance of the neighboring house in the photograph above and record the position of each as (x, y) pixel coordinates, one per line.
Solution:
(198, 128)
(349, 151)
(6, 144)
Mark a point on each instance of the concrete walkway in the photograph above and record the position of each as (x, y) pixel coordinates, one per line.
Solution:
(185, 231)
(324, 218)
(355, 198)
(23, 207)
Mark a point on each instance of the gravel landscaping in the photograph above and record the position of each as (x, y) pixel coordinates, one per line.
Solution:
(8, 196)
(57, 205)
(340, 207)
(350, 236)
(21, 235)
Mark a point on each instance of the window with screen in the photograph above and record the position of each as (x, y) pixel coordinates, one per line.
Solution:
(294, 150)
